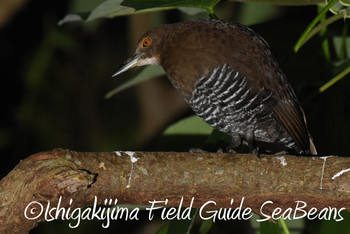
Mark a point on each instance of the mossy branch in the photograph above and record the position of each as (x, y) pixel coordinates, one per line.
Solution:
(140, 177)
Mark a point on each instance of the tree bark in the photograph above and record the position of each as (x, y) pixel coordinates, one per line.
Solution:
(139, 177)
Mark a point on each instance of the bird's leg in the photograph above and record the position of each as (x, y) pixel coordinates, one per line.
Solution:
(236, 141)
(256, 152)
(249, 136)
(197, 150)
(280, 153)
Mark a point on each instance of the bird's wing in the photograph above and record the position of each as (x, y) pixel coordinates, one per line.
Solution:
(264, 72)
(289, 114)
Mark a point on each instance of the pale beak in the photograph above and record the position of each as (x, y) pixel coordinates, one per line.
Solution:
(130, 63)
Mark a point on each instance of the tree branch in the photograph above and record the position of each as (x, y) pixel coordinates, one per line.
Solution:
(146, 176)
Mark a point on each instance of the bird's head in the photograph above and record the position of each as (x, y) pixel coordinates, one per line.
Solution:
(147, 51)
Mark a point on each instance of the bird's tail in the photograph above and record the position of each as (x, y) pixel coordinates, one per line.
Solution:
(313, 150)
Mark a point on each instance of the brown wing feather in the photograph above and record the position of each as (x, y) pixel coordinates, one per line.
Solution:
(287, 110)
(288, 116)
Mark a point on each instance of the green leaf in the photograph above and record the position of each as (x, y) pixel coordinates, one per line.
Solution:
(163, 229)
(178, 226)
(192, 125)
(87, 10)
(332, 226)
(191, 10)
(71, 18)
(307, 31)
(143, 75)
(342, 44)
(322, 26)
(296, 225)
(114, 8)
(216, 137)
(284, 226)
(334, 80)
(84, 5)
(168, 4)
(206, 226)
(253, 13)
(269, 227)
(341, 5)
(182, 226)
(110, 9)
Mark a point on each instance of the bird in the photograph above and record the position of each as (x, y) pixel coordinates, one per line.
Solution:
(227, 74)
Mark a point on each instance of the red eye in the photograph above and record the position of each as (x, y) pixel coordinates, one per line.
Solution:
(146, 42)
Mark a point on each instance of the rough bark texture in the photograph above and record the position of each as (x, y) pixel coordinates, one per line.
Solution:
(146, 176)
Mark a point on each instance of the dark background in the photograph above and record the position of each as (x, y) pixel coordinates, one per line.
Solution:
(54, 78)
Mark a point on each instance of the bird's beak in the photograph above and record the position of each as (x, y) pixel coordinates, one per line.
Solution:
(130, 63)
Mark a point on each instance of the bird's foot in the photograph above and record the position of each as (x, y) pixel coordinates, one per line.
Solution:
(220, 150)
(281, 153)
(230, 149)
(256, 152)
(197, 150)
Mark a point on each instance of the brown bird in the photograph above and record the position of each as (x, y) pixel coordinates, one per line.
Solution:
(229, 77)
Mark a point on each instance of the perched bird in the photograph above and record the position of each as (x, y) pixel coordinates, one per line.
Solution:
(229, 77)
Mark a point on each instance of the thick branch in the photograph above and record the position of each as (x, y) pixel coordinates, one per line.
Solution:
(146, 176)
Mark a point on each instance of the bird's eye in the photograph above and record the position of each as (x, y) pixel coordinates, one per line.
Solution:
(146, 42)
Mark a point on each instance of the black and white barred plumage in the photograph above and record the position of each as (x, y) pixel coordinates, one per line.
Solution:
(223, 100)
